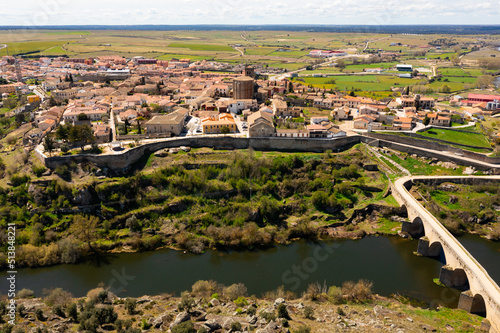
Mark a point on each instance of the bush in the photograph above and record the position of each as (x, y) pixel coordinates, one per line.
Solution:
(130, 304)
(39, 315)
(18, 180)
(58, 311)
(235, 326)
(251, 310)
(283, 312)
(38, 170)
(358, 292)
(58, 297)
(26, 293)
(72, 312)
(309, 312)
(186, 303)
(303, 329)
(185, 327)
(205, 289)
(63, 172)
(241, 301)
(235, 290)
(64, 148)
(335, 295)
(268, 316)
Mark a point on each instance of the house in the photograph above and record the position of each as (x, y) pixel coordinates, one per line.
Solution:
(292, 133)
(102, 133)
(437, 120)
(341, 113)
(47, 124)
(167, 125)
(279, 107)
(214, 125)
(426, 103)
(317, 131)
(260, 124)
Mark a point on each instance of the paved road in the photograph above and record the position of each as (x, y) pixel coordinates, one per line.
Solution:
(112, 124)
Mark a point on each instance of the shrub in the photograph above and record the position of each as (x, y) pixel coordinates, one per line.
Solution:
(25, 293)
(268, 316)
(58, 297)
(283, 312)
(72, 312)
(63, 172)
(205, 289)
(20, 309)
(186, 303)
(38, 170)
(130, 304)
(340, 311)
(241, 301)
(335, 295)
(18, 180)
(236, 326)
(303, 329)
(235, 290)
(58, 311)
(39, 315)
(308, 312)
(251, 310)
(64, 148)
(185, 327)
(358, 292)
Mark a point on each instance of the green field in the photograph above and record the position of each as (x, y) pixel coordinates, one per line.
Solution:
(59, 33)
(363, 82)
(203, 47)
(470, 139)
(17, 48)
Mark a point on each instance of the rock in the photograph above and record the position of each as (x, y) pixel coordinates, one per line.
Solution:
(481, 206)
(212, 325)
(380, 310)
(83, 197)
(158, 321)
(279, 301)
(409, 319)
(252, 320)
(271, 327)
(214, 302)
(299, 306)
(181, 317)
(453, 199)
(227, 323)
(161, 153)
(108, 327)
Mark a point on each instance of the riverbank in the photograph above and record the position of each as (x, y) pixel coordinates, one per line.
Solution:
(210, 307)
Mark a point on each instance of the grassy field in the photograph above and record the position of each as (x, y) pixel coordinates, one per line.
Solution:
(362, 82)
(203, 47)
(24, 47)
(471, 139)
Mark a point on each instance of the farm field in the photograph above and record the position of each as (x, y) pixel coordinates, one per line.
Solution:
(354, 82)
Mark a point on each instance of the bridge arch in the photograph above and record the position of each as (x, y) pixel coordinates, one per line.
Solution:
(415, 229)
(436, 251)
(454, 278)
(478, 305)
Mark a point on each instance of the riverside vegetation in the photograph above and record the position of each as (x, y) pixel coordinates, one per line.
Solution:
(241, 199)
(464, 208)
(211, 307)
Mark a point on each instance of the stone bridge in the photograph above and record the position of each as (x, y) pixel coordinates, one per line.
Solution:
(480, 294)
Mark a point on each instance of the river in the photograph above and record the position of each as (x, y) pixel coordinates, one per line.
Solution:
(388, 262)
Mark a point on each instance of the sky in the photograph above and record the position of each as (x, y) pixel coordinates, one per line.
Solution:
(372, 12)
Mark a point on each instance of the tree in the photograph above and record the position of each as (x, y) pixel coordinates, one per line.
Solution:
(48, 144)
(426, 121)
(225, 130)
(484, 81)
(290, 86)
(445, 89)
(81, 134)
(19, 119)
(341, 64)
(139, 119)
(85, 229)
(126, 125)
(82, 116)
(53, 102)
(62, 132)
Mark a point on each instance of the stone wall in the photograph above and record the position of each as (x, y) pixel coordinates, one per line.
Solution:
(124, 159)
(432, 145)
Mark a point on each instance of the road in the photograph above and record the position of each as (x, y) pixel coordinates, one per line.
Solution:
(112, 124)
(3, 46)
(375, 40)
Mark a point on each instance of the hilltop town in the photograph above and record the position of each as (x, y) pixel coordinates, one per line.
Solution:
(74, 102)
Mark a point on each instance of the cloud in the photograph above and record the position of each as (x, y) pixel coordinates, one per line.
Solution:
(54, 12)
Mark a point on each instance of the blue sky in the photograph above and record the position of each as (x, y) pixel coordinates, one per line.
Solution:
(382, 12)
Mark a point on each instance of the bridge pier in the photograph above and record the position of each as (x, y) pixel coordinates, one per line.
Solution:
(423, 246)
(454, 278)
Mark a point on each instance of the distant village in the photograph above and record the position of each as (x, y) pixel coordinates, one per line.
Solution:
(122, 99)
